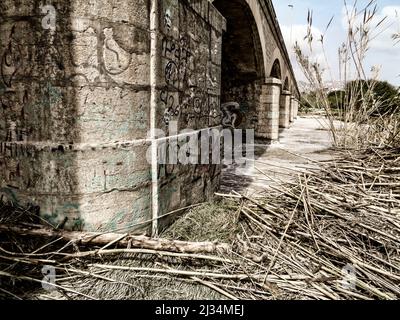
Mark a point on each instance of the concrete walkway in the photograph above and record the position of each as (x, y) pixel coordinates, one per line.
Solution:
(308, 140)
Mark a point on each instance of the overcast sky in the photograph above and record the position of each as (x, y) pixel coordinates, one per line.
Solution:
(382, 52)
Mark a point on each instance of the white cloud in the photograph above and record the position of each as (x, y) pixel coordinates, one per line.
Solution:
(382, 53)
(297, 34)
(381, 32)
(391, 11)
(392, 26)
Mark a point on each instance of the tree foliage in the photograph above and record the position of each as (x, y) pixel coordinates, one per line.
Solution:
(379, 96)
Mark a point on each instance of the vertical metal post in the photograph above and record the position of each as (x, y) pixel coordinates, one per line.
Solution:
(154, 63)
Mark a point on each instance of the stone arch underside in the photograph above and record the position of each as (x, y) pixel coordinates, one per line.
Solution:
(286, 85)
(243, 68)
(276, 71)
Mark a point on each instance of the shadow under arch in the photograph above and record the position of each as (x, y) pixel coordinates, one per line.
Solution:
(276, 70)
(243, 68)
(286, 85)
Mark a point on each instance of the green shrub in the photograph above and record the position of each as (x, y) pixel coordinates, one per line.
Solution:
(381, 94)
(337, 99)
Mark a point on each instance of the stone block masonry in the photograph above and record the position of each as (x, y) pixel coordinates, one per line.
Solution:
(296, 109)
(284, 111)
(187, 89)
(86, 87)
(75, 103)
(75, 112)
(292, 108)
(268, 126)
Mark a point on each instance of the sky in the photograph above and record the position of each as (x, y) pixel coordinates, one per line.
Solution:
(383, 53)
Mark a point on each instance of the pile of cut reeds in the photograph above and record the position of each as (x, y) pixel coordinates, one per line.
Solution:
(332, 234)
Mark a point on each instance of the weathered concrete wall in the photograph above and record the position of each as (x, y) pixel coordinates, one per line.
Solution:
(189, 94)
(81, 103)
(284, 110)
(292, 108)
(268, 125)
(74, 110)
(75, 107)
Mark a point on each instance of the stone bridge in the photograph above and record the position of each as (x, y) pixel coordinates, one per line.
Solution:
(91, 91)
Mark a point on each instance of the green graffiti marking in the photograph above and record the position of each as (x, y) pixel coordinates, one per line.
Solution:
(55, 94)
(52, 95)
(49, 96)
(68, 210)
(245, 107)
(116, 221)
(131, 218)
(2, 88)
(166, 198)
(11, 195)
(77, 224)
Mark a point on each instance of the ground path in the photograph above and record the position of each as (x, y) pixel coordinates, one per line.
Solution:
(307, 140)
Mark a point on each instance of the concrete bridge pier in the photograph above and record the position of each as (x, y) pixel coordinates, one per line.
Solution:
(85, 97)
(292, 108)
(295, 108)
(284, 110)
(269, 109)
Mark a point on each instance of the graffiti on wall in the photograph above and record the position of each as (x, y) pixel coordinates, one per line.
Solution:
(186, 60)
(181, 94)
(232, 115)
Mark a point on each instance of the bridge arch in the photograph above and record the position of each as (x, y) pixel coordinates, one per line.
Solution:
(276, 70)
(257, 14)
(286, 85)
(243, 58)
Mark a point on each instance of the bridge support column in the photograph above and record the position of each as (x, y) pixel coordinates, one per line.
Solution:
(284, 110)
(268, 123)
(292, 108)
(296, 109)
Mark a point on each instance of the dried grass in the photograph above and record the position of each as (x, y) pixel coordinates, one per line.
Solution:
(294, 242)
(215, 221)
(361, 122)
